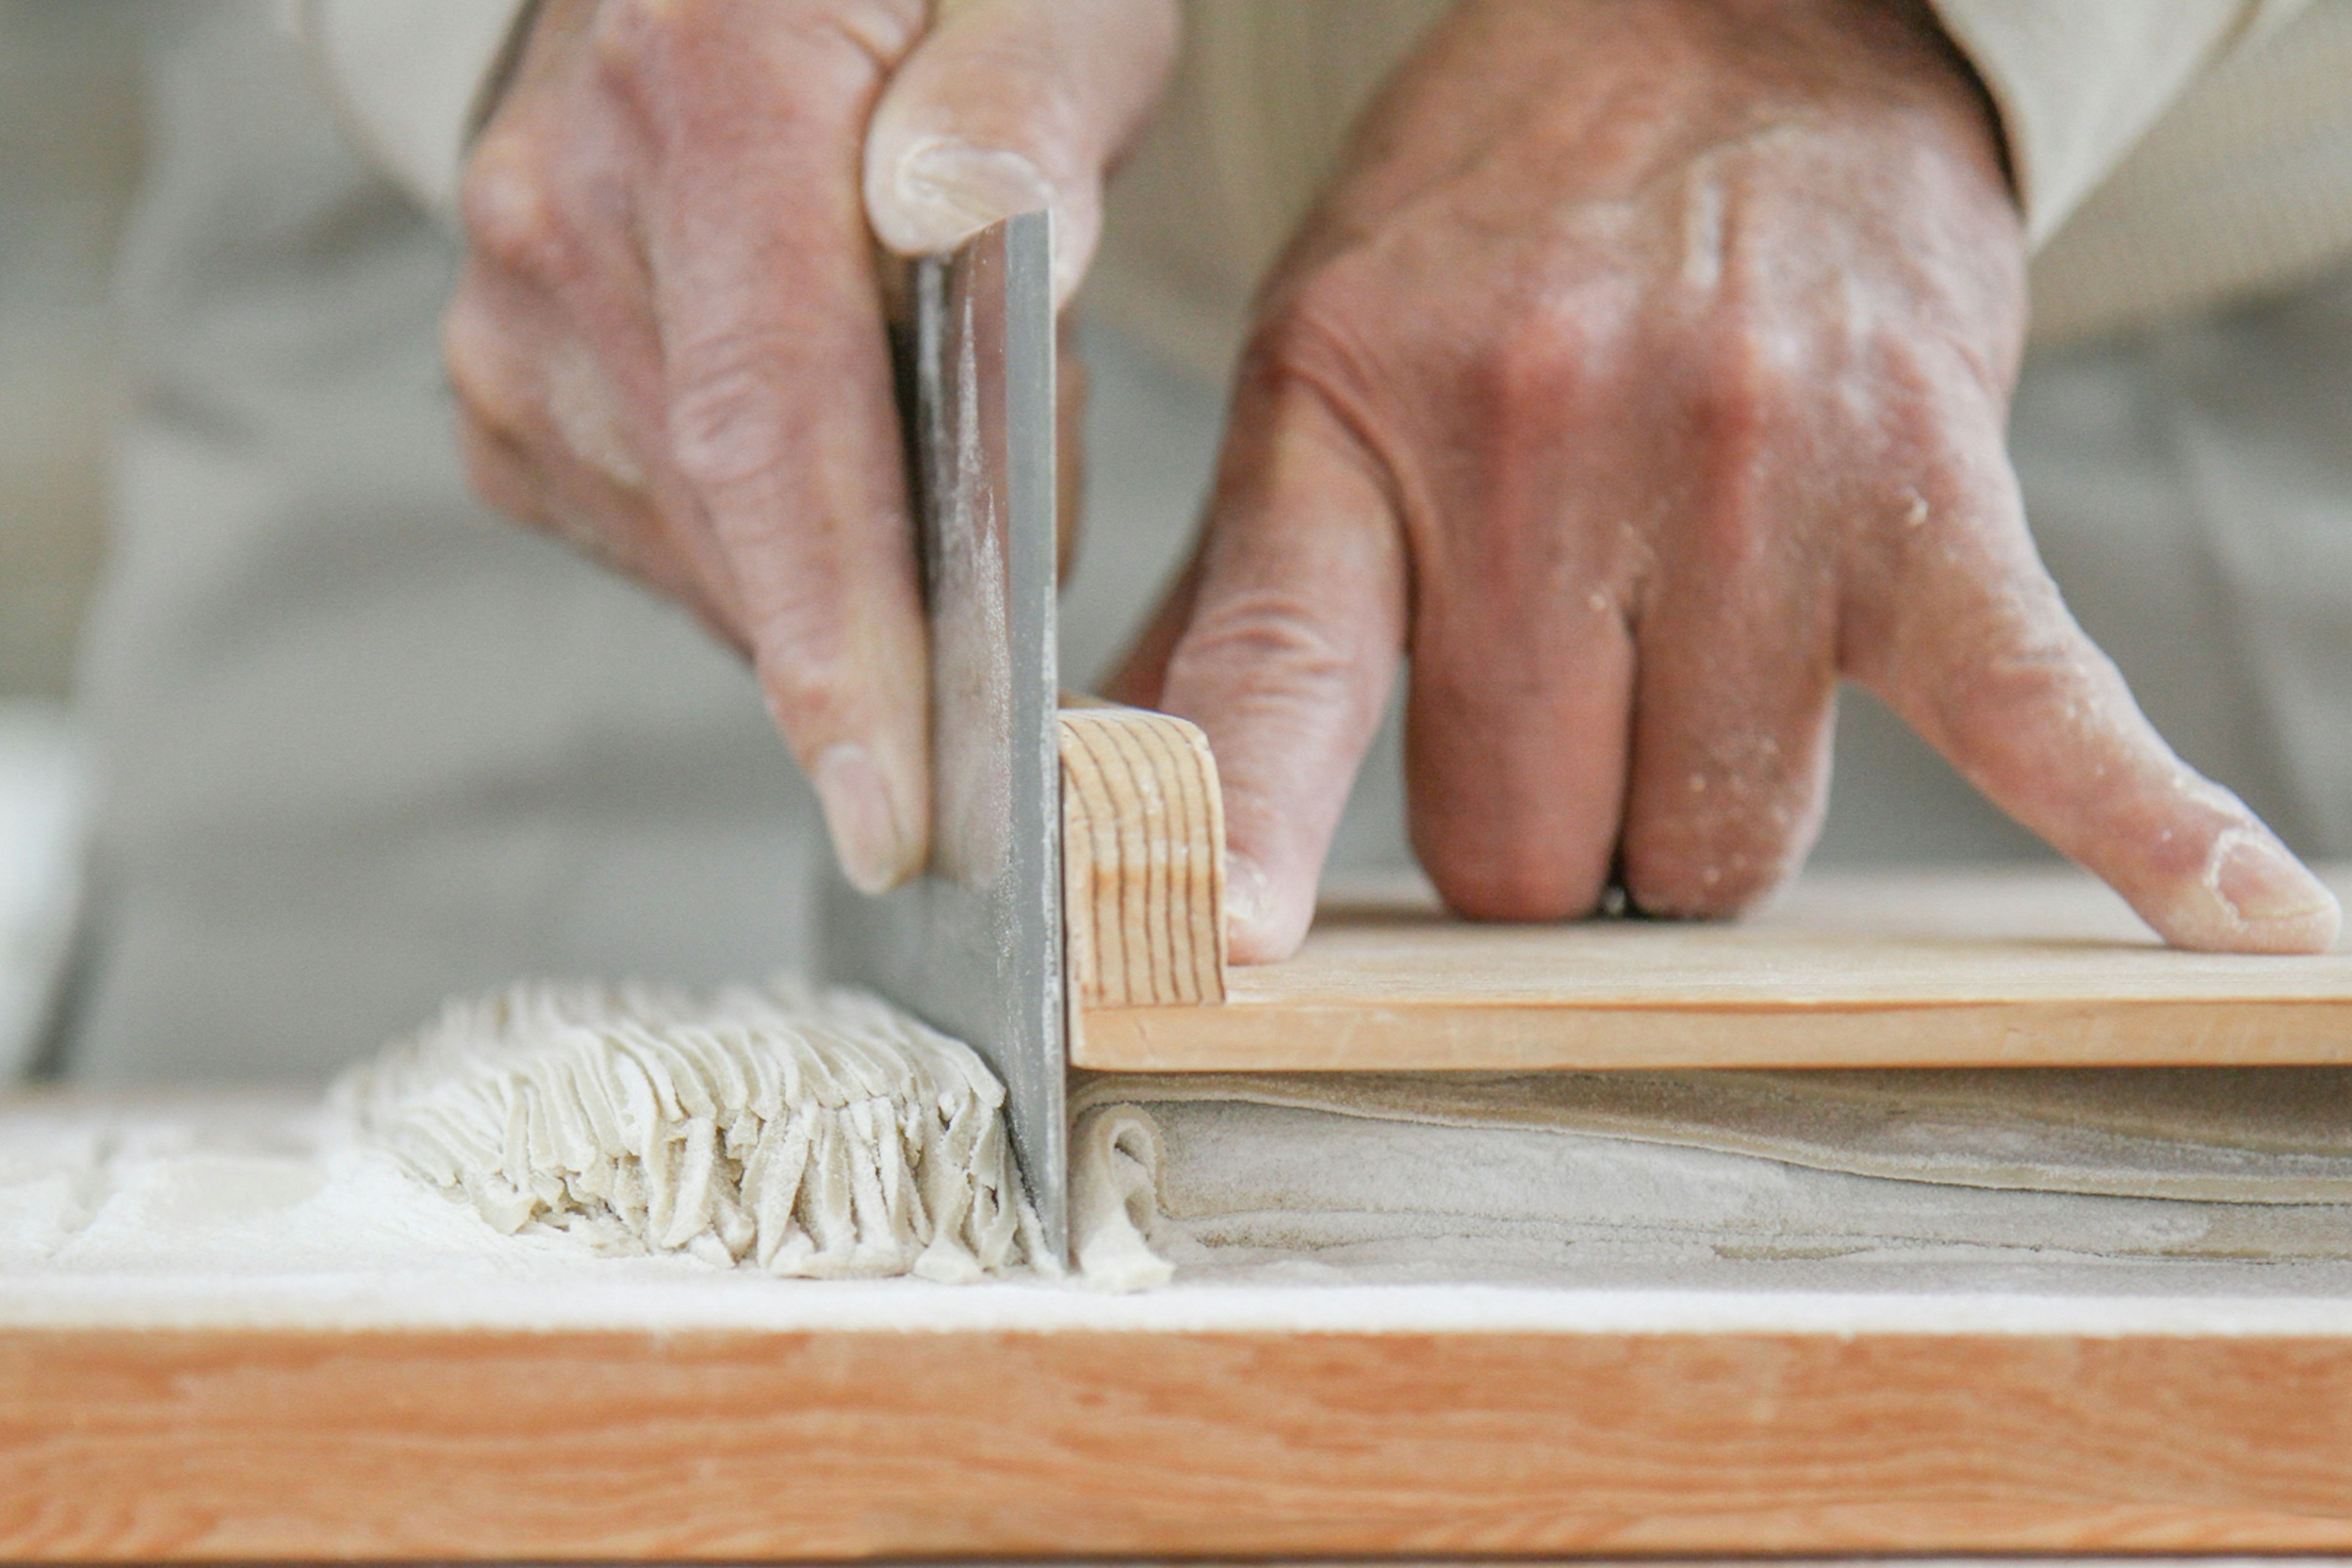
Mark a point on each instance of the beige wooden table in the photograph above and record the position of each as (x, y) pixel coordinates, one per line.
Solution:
(395, 1395)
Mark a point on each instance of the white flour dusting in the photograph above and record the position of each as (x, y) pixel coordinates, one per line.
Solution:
(809, 1132)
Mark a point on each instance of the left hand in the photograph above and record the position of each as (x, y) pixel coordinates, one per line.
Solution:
(1644, 372)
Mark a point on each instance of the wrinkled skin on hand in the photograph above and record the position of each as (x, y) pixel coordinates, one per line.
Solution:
(668, 343)
(1642, 373)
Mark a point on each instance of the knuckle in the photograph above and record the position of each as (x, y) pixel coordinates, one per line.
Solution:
(636, 46)
(1746, 385)
(512, 213)
(1273, 644)
(729, 416)
(1317, 336)
(881, 31)
(1987, 671)
(801, 667)
(477, 372)
(1543, 369)
(1336, 324)
(686, 55)
(2001, 713)
(1365, 311)
(829, 636)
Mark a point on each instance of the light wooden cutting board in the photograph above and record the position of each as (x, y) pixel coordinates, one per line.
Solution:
(2012, 967)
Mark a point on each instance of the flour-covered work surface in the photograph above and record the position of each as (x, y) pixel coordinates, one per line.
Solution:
(1460, 1203)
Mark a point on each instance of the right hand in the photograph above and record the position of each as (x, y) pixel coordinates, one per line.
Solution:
(668, 343)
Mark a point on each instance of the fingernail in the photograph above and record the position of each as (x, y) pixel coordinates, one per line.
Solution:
(949, 190)
(875, 849)
(1245, 894)
(1258, 930)
(2262, 883)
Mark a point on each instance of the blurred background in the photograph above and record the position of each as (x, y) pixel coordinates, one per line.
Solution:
(69, 141)
(70, 135)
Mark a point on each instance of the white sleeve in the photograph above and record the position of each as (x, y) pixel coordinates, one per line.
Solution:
(2077, 82)
(409, 79)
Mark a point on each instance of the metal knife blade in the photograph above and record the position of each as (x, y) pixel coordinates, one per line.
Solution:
(974, 945)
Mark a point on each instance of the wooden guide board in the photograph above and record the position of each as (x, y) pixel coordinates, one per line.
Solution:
(2011, 968)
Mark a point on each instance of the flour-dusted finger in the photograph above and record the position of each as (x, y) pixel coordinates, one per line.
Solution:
(1983, 658)
(781, 415)
(1738, 678)
(1522, 680)
(1141, 672)
(1289, 649)
(1514, 769)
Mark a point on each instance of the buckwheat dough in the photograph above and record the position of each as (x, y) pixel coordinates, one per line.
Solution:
(1240, 1191)
(2253, 1135)
(806, 1131)
(823, 1133)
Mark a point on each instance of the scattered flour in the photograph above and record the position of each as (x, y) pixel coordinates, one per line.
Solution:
(806, 1131)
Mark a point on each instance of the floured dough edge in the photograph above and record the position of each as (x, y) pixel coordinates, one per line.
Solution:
(803, 1130)
(2263, 1135)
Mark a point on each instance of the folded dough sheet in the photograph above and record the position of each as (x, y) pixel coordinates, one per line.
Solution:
(1525, 1177)
(2151, 1180)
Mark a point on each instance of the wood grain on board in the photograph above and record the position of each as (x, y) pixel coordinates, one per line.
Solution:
(1143, 835)
(1957, 968)
(250, 1445)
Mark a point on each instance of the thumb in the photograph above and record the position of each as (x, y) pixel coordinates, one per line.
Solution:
(1012, 105)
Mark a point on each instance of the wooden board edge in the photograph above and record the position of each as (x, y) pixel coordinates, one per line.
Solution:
(1143, 859)
(117, 1445)
(1245, 1037)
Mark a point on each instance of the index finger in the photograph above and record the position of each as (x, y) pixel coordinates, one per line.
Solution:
(781, 413)
(1282, 644)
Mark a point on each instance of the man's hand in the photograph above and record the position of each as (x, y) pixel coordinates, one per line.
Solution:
(668, 343)
(1644, 372)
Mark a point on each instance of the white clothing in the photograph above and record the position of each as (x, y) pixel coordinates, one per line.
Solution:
(360, 742)
(2245, 185)
(2168, 153)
